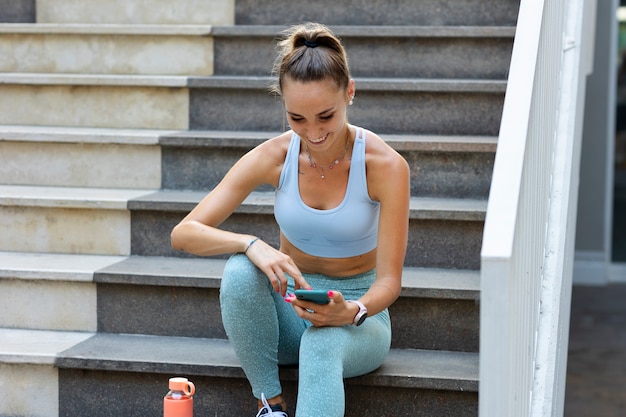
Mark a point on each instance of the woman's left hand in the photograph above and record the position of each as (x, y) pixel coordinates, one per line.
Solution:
(336, 313)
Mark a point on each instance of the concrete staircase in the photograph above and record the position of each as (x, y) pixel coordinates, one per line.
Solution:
(116, 117)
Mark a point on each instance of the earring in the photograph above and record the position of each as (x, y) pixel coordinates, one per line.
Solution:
(351, 102)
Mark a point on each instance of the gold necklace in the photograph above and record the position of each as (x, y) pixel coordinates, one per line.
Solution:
(330, 166)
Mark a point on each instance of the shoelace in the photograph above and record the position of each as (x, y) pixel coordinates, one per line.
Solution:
(267, 411)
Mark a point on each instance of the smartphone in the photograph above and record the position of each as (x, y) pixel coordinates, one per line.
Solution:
(316, 296)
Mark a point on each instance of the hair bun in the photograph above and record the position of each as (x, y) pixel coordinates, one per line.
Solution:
(311, 44)
(293, 61)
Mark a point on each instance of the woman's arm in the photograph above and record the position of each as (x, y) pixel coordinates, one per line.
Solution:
(199, 232)
(389, 183)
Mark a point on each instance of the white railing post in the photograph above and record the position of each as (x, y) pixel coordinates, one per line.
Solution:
(548, 394)
(519, 245)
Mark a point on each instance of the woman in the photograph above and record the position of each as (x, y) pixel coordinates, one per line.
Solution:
(342, 203)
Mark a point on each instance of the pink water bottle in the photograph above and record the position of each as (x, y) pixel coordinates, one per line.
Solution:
(179, 400)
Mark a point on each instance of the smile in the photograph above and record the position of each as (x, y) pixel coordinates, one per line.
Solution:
(319, 140)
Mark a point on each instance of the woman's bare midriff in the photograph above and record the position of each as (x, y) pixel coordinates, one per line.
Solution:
(333, 267)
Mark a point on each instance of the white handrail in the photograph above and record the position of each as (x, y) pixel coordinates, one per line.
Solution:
(521, 212)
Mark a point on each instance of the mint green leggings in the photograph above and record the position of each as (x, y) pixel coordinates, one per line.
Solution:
(266, 332)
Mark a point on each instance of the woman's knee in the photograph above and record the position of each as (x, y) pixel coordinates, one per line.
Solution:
(241, 278)
(322, 343)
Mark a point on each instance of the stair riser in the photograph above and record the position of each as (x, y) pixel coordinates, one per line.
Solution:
(28, 390)
(444, 244)
(432, 243)
(435, 324)
(150, 230)
(468, 58)
(62, 230)
(450, 174)
(80, 165)
(104, 394)
(49, 305)
(214, 12)
(106, 54)
(418, 323)
(381, 112)
(94, 106)
(237, 109)
(433, 174)
(162, 311)
(376, 12)
(190, 168)
(17, 11)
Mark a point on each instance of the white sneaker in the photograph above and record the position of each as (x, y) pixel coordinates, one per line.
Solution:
(271, 411)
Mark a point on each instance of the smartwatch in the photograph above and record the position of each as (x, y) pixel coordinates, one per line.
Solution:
(361, 315)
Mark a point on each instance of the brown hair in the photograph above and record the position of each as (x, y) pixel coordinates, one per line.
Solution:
(311, 52)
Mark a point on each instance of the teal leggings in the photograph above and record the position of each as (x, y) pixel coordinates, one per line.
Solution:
(266, 332)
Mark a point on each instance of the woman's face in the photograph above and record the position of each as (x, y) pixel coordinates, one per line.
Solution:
(316, 110)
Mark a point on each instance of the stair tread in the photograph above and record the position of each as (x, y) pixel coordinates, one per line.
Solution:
(105, 29)
(363, 83)
(68, 197)
(72, 134)
(369, 31)
(247, 82)
(262, 202)
(244, 139)
(406, 142)
(201, 273)
(115, 80)
(39, 347)
(54, 266)
(254, 30)
(409, 368)
(206, 272)
(182, 200)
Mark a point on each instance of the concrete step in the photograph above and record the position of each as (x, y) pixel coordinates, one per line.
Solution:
(394, 106)
(412, 382)
(441, 166)
(200, 12)
(17, 11)
(437, 310)
(462, 52)
(443, 233)
(80, 157)
(29, 381)
(87, 100)
(66, 219)
(106, 49)
(50, 291)
(383, 105)
(377, 12)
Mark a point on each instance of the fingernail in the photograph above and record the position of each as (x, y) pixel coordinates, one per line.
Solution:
(288, 299)
(330, 294)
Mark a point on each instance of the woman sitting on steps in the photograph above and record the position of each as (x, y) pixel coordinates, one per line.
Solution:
(342, 205)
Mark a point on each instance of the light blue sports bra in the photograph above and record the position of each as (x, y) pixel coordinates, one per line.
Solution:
(350, 229)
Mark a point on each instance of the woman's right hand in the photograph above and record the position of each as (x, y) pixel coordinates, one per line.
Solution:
(275, 264)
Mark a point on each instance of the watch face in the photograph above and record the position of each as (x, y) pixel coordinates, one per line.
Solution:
(361, 319)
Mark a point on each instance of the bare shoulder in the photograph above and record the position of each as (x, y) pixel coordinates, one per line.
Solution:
(387, 170)
(379, 155)
(266, 159)
(274, 149)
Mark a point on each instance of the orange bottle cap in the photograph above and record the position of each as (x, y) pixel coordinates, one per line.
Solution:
(182, 384)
